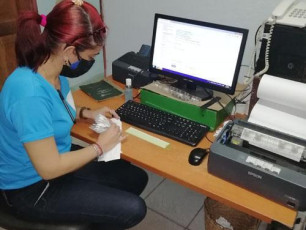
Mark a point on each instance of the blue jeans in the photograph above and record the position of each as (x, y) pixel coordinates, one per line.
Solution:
(106, 194)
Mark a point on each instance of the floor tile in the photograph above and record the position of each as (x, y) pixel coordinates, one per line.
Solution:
(154, 181)
(154, 221)
(198, 223)
(263, 226)
(176, 202)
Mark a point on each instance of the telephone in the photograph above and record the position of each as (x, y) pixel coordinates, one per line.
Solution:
(290, 13)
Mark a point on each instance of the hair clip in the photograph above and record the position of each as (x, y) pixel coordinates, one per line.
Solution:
(78, 2)
(43, 21)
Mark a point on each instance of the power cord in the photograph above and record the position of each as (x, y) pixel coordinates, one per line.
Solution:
(241, 101)
(208, 138)
(229, 113)
(265, 69)
(249, 76)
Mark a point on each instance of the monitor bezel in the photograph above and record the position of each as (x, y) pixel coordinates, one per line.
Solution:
(232, 88)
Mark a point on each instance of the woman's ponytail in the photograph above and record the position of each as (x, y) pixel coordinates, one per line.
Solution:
(30, 45)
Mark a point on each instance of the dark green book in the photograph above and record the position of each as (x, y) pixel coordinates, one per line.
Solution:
(101, 90)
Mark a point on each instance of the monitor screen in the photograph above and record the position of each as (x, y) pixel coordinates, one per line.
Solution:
(197, 53)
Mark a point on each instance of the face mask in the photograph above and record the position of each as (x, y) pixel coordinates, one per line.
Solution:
(77, 68)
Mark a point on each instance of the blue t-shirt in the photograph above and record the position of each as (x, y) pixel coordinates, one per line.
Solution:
(30, 110)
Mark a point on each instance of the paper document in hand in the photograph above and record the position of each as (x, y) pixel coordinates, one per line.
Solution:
(114, 153)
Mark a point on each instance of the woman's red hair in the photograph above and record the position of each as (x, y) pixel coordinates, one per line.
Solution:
(79, 26)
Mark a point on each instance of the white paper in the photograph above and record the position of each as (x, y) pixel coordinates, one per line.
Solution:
(282, 106)
(283, 91)
(114, 153)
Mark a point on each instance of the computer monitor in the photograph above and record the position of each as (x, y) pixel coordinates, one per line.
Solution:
(201, 56)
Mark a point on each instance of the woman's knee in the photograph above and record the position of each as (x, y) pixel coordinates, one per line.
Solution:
(137, 210)
(140, 178)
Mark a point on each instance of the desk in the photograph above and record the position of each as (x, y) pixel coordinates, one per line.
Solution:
(172, 163)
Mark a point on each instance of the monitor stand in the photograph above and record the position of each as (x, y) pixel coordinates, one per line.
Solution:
(195, 90)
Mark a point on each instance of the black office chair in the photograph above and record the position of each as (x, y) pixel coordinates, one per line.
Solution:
(11, 222)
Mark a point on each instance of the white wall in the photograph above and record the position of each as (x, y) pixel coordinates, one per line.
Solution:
(130, 22)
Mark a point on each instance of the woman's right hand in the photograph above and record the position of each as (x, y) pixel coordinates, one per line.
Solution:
(108, 139)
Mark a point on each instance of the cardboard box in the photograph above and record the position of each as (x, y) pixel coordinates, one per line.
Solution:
(210, 117)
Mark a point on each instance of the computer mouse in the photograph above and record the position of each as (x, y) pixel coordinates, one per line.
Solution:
(197, 155)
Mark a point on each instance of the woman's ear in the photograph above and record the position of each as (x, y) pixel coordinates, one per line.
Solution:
(69, 54)
(69, 51)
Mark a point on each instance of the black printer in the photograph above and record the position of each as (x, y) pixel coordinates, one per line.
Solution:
(135, 66)
(245, 154)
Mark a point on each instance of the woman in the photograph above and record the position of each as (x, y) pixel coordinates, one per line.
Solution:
(43, 176)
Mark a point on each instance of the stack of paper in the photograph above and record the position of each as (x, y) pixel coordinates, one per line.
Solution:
(281, 106)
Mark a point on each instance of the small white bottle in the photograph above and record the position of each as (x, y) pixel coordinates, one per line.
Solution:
(128, 92)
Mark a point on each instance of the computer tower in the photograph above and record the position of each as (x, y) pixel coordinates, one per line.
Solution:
(287, 54)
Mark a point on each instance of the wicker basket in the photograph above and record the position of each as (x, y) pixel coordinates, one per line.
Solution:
(216, 214)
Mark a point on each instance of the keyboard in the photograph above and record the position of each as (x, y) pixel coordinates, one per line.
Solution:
(163, 123)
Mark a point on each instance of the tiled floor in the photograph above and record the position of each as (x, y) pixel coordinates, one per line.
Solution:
(171, 206)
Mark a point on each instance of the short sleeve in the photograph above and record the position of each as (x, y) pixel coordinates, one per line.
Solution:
(32, 118)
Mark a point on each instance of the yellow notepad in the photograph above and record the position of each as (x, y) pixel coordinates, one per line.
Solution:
(147, 137)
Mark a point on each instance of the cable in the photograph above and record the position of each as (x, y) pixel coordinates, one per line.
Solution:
(228, 113)
(240, 101)
(262, 26)
(234, 114)
(244, 65)
(229, 96)
(249, 77)
(265, 69)
(208, 138)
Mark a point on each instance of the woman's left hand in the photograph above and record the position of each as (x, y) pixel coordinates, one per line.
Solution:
(106, 111)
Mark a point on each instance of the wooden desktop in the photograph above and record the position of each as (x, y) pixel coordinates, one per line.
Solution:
(172, 163)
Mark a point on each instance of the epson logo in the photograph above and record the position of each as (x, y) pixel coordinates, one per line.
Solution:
(254, 175)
